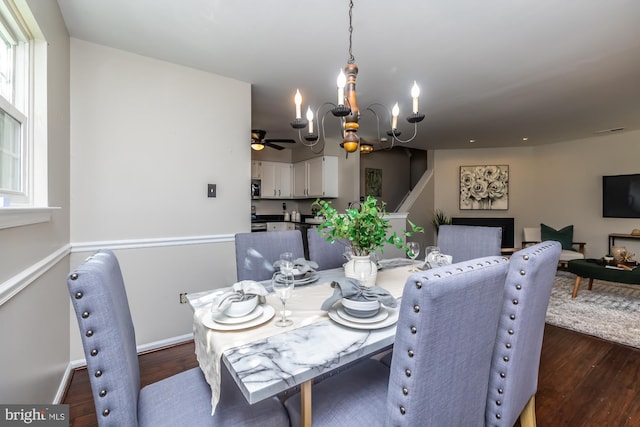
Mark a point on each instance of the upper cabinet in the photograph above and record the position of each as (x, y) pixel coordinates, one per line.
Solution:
(317, 177)
(256, 169)
(276, 180)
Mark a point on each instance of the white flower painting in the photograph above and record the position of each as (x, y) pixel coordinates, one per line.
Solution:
(484, 187)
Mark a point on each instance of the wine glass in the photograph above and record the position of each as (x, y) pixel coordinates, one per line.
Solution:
(362, 269)
(283, 285)
(413, 249)
(431, 254)
(286, 263)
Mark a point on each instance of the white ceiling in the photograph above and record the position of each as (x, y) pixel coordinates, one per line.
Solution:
(493, 70)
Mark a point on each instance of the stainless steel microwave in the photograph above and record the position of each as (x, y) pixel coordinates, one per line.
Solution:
(255, 188)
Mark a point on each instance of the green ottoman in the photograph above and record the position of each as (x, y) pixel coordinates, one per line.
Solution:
(591, 269)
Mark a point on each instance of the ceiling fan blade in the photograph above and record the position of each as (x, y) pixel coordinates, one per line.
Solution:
(269, 144)
(285, 141)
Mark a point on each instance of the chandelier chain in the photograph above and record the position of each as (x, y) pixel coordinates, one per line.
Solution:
(351, 58)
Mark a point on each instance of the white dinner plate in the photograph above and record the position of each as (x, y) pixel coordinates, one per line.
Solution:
(309, 278)
(382, 314)
(267, 313)
(228, 320)
(391, 319)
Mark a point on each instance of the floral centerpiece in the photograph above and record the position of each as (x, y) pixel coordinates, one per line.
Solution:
(364, 226)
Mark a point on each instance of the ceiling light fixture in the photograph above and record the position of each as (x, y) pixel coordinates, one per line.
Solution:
(257, 146)
(347, 109)
(365, 148)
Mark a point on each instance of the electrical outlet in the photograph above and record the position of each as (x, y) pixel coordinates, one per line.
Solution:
(211, 190)
(183, 298)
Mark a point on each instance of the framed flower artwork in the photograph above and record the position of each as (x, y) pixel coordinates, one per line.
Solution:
(484, 187)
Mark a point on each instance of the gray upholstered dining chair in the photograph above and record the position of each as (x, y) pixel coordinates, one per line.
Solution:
(256, 252)
(100, 302)
(326, 254)
(465, 242)
(442, 356)
(516, 356)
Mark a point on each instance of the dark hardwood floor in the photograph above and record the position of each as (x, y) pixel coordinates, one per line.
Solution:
(584, 381)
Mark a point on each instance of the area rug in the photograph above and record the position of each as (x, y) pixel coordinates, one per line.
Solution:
(610, 310)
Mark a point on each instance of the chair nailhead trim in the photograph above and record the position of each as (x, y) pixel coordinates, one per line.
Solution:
(498, 402)
(405, 391)
(414, 330)
(515, 302)
(85, 315)
(416, 308)
(506, 358)
(94, 352)
(498, 416)
(410, 353)
(418, 285)
(502, 375)
(518, 287)
(106, 412)
(402, 410)
(407, 372)
(89, 333)
(103, 393)
(522, 272)
(510, 331)
(526, 257)
(508, 345)
(98, 374)
(78, 295)
(500, 391)
(512, 317)
(74, 276)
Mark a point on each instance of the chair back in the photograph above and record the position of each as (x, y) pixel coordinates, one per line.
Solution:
(465, 242)
(256, 252)
(516, 356)
(444, 342)
(100, 302)
(326, 254)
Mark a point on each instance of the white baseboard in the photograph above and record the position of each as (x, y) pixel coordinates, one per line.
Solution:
(143, 348)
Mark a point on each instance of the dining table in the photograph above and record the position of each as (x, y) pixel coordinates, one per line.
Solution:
(266, 360)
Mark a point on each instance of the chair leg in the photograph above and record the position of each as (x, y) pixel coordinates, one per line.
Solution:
(590, 283)
(576, 286)
(528, 415)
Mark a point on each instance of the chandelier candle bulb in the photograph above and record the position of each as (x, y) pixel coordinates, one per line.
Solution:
(342, 80)
(395, 112)
(415, 93)
(310, 118)
(298, 100)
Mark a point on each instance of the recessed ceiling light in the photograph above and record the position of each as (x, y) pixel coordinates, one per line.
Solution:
(471, 141)
(525, 139)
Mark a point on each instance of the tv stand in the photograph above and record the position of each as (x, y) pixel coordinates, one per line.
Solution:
(614, 236)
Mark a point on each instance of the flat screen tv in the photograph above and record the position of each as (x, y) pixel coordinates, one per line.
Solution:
(621, 196)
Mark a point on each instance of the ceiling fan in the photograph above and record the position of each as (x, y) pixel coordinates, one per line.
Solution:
(258, 142)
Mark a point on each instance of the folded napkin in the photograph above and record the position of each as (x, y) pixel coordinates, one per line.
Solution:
(300, 264)
(349, 288)
(393, 263)
(239, 291)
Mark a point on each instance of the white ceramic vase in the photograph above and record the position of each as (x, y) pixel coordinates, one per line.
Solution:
(350, 269)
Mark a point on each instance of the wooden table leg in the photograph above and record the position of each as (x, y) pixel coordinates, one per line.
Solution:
(576, 287)
(305, 403)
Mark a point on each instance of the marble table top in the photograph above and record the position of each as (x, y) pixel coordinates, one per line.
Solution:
(316, 345)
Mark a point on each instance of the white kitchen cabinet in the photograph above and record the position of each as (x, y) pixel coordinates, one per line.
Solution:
(276, 180)
(317, 177)
(256, 169)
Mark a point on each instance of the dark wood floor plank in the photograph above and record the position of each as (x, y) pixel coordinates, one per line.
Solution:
(583, 381)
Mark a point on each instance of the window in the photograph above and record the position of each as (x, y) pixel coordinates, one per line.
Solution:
(16, 175)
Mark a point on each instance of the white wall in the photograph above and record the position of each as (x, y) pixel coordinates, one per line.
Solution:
(556, 184)
(34, 326)
(146, 138)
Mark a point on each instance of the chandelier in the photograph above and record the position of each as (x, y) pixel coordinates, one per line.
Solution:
(347, 109)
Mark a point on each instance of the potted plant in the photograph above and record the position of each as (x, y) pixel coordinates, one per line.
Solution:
(363, 226)
(440, 218)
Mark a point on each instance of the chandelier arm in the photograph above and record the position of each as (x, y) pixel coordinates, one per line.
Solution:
(370, 108)
(404, 141)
